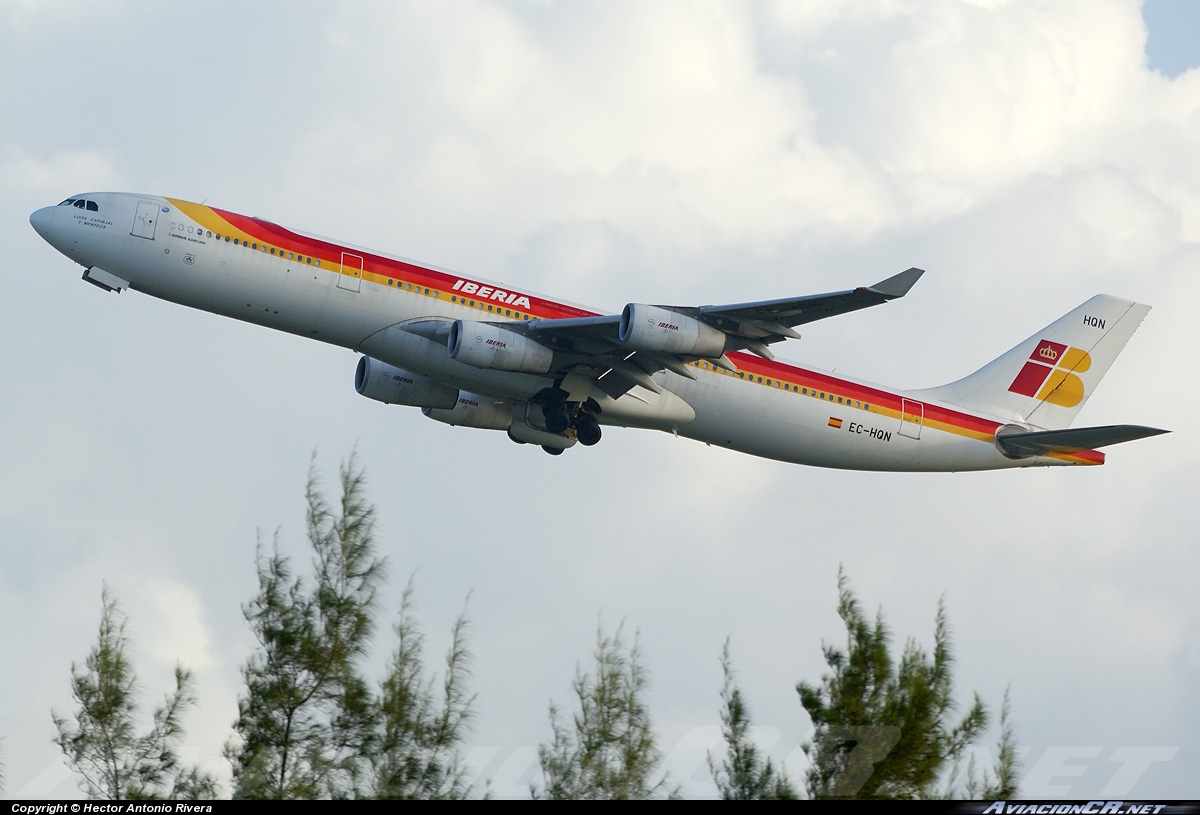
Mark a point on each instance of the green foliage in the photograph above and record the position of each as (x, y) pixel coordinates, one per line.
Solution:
(417, 754)
(102, 744)
(309, 724)
(743, 774)
(885, 730)
(1001, 784)
(307, 711)
(609, 752)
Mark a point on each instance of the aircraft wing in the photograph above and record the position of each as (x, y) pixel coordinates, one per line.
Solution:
(750, 325)
(594, 344)
(758, 324)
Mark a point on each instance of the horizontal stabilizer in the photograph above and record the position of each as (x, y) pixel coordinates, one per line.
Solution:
(1021, 444)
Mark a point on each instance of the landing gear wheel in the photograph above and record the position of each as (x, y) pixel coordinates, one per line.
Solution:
(556, 415)
(587, 430)
(554, 451)
(558, 422)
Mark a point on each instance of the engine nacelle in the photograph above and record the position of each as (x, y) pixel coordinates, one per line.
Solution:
(496, 348)
(393, 386)
(474, 411)
(650, 328)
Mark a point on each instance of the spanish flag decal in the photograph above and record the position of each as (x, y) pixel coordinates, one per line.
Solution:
(835, 423)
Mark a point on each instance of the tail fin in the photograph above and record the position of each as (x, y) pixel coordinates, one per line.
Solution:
(1046, 380)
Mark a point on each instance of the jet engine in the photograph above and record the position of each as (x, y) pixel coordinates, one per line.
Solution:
(393, 386)
(474, 411)
(496, 348)
(650, 328)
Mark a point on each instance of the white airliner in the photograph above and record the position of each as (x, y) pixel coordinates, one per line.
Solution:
(473, 353)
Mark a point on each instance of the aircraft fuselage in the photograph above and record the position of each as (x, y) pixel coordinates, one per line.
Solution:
(395, 311)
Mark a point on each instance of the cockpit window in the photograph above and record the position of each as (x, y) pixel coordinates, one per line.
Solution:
(81, 203)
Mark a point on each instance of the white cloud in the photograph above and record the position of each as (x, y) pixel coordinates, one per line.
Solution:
(609, 152)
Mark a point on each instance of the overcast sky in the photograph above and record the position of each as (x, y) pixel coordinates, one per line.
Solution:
(1027, 154)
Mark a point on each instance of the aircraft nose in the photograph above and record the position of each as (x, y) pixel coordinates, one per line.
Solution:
(42, 220)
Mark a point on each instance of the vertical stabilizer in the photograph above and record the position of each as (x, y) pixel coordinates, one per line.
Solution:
(1046, 380)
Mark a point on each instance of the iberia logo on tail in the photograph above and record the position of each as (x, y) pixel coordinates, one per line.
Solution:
(1049, 375)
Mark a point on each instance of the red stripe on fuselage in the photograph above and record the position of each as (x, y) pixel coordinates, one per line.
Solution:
(751, 365)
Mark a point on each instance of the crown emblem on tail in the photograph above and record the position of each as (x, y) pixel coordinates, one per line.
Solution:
(1050, 374)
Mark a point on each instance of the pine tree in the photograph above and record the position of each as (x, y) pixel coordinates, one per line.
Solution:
(307, 719)
(743, 774)
(310, 725)
(418, 755)
(1001, 783)
(609, 751)
(885, 730)
(102, 744)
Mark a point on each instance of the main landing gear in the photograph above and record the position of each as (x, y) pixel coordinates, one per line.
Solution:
(560, 416)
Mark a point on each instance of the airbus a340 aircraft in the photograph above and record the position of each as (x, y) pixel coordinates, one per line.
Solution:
(478, 354)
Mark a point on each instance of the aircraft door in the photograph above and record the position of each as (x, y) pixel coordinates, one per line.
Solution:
(912, 416)
(145, 220)
(352, 271)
